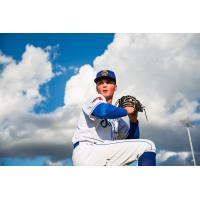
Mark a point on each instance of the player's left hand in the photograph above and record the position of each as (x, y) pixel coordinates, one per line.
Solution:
(132, 105)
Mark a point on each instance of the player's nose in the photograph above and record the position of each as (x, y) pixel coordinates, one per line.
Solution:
(105, 84)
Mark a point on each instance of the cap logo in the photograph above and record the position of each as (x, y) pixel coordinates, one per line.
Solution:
(104, 73)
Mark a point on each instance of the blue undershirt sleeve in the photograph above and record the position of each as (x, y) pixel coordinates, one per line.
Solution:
(108, 111)
(134, 131)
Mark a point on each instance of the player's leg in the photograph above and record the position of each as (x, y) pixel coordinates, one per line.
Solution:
(83, 155)
(147, 159)
(122, 152)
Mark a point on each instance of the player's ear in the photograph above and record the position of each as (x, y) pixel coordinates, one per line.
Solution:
(97, 88)
(115, 87)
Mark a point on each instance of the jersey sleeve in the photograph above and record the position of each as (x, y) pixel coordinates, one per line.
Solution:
(91, 104)
(123, 129)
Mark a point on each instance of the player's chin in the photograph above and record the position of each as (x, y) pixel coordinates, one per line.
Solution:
(106, 94)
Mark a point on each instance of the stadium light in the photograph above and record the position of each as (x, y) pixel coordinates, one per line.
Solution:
(188, 125)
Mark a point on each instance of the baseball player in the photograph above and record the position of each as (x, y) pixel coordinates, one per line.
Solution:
(102, 137)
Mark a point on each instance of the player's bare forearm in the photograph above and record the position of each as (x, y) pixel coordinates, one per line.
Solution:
(133, 117)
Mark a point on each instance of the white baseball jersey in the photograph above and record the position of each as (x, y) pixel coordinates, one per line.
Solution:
(96, 130)
(102, 141)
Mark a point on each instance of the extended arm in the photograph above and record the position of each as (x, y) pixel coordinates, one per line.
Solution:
(108, 111)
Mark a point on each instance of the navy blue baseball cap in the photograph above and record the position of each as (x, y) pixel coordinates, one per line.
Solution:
(105, 74)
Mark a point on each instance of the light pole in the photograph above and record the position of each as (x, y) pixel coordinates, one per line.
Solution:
(188, 125)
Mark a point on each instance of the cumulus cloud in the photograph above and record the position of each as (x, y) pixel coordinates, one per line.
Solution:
(51, 163)
(19, 83)
(162, 70)
(80, 86)
(163, 156)
(30, 135)
(5, 59)
(24, 133)
(171, 158)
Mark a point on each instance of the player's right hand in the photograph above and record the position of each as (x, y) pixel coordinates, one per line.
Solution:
(132, 114)
(130, 110)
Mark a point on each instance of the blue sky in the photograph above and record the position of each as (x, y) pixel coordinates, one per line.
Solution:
(69, 50)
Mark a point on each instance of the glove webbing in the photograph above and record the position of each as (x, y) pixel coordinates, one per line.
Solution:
(130, 101)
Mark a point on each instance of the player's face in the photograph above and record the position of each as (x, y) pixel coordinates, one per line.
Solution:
(106, 87)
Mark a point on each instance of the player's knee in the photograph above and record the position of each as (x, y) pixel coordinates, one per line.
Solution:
(151, 146)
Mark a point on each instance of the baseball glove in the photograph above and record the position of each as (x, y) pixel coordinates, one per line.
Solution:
(130, 101)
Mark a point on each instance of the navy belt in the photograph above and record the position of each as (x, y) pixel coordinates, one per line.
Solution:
(75, 144)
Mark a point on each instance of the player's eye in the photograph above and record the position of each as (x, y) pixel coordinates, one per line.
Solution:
(110, 82)
(100, 83)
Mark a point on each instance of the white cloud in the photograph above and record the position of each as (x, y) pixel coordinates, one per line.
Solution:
(60, 70)
(23, 133)
(5, 59)
(162, 70)
(53, 51)
(19, 83)
(51, 163)
(165, 155)
(80, 86)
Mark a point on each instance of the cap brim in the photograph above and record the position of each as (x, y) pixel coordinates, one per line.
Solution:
(96, 80)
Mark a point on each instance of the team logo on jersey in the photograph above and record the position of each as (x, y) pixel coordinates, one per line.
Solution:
(105, 123)
(104, 73)
(98, 98)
